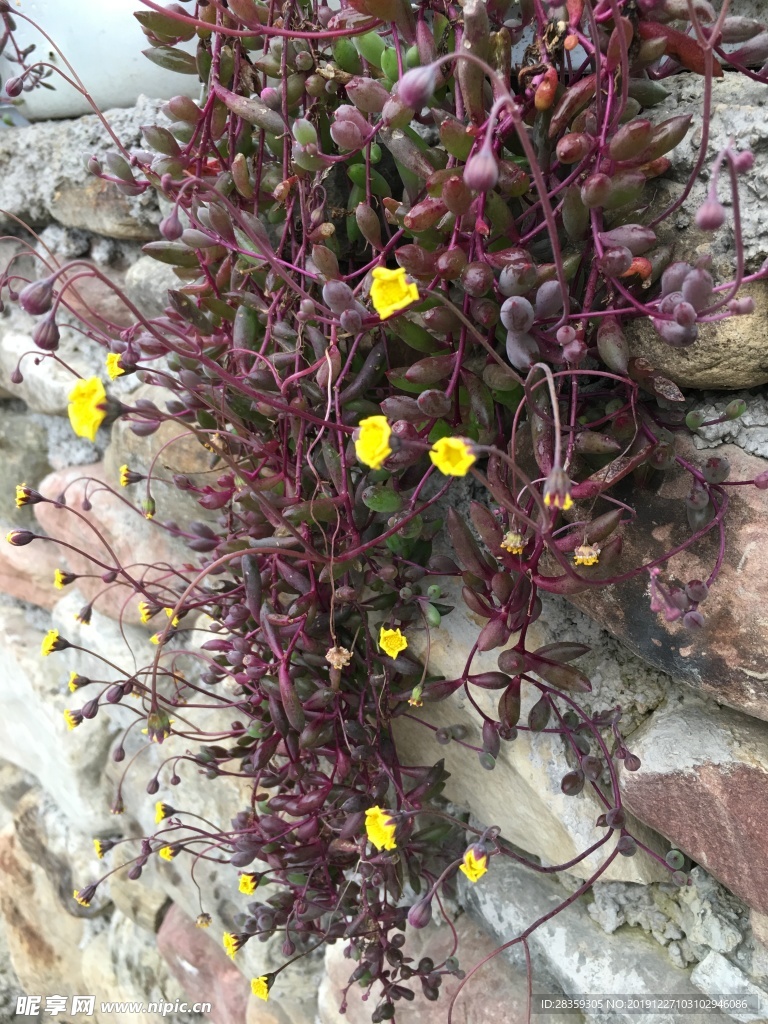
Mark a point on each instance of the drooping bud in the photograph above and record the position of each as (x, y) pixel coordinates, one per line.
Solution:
(710, 215)
(14, 87)
(481, 171)
(171, 226)
(416, 86)
(37, 297)
(420, 914)
(46, 334)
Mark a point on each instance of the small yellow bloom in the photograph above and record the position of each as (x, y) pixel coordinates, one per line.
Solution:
(472, 866)
(390, 292)
(168, 852)
(260, 987)
(557, 490)
(74, 681)
(513, 542)
(174, 618)
(22, 495)
(586, 554)
(162, 811)
(380, 828)
(87, 407)
(392, 641)
(372, 443)
(73, 719)
(248, 884)
(203, 921)
(114, 368)
(62, 579)
(232, 943)
(52, 642)
(99, 848)
(124, 480)
(145, 611)
(81, 898)
(156, 638)
(453, 456)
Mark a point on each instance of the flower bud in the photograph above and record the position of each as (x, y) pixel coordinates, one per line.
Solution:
(346, 135)
(37, 297)
(743, 161)
(396, 114)
(481, 171)
(46, 334)
(171, 227)
(710, 215)
(416, 86)
(14, 87)
(19, 537)
(420, 914)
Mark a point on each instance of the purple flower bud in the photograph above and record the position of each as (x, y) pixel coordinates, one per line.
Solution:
(306, 310)
(710, 215)
(346, 135)
(743, 161)
(420, 914)
(338, 296)
(416, 86)
(171, 226)
(742, 307)
(347, 113)
(46, 334)
(517, 314)
(481, 171)
(37, 297)
(93, 165)
(14, 87)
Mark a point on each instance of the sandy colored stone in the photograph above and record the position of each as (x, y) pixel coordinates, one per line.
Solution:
(27, 573)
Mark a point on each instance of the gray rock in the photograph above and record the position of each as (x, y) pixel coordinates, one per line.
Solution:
(23, 459)
(749, 431)
(44, 175)
(719, 978)
(147, 283)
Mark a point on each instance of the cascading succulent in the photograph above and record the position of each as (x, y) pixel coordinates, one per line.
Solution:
(402, 257)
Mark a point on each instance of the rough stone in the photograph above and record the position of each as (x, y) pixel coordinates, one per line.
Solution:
(573, 950)
(749, 431)
(60, 188)
(23, 459)
(33, 733)
(27, 573)
(728, 354)
(202, 968)
(759, 923)
(147, 283)
(125, 529)
(726, 659)
(522, 795)
(498, 994)
(143, 902)
(716, 976)
(704, 785)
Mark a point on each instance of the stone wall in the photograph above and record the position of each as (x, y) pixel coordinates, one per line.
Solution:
(695, 709)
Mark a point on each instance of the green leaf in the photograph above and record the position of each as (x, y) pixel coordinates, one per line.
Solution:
(164, 25)
(172, 59)
(175, 253)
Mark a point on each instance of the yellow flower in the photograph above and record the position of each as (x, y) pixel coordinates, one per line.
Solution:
(232, 943)
(174, 618)
(557, 490)
(62, 579)
(124, 471)
(145, 611)
(87, 407)
(248, 884)
(513, 542)
(22, 495)
(392, 641)
(73, 719)
(452, 456)
(74, 681)
(101, 847)
(81, 898)
(372, 443)
(53, 642)
(162, 811)
(391, 292)
(156, 638)
(586, 554)
(114, 369)
(260, 987)
(474, 867)
(380, 828)
(168, 852)
(203, 921)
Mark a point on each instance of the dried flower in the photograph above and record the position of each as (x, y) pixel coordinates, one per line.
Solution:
(203, 921)
(338, 657)
(392, 641)
(380, 828)
(453, 456)
(557, 490)
(87, 407)
(372, 442)
(391, 292)
(513, 542)
(586, 554)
